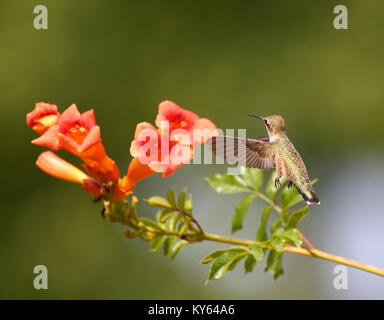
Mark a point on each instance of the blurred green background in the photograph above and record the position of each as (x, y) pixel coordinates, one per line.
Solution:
(221, 59)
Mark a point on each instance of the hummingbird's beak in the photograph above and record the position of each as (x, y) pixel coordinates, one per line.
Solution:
(253, 115)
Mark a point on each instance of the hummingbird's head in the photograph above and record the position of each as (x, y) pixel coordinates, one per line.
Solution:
(274, 124)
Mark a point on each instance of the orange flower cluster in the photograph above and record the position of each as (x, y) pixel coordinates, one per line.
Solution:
(170, 145)
(78, 134)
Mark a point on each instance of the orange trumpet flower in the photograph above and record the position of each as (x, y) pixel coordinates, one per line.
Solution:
(61, 169)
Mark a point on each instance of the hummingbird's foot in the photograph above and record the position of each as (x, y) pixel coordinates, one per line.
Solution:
(290, 185)
(277, 182)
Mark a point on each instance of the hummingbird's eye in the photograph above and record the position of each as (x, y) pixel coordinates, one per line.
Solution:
(266, 122)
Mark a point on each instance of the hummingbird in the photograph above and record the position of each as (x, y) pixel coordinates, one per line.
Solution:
(272, 151)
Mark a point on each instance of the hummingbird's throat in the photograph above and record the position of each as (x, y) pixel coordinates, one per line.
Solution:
(273, 137)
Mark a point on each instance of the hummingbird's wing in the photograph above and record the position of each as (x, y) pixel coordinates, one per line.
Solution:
(252, 153)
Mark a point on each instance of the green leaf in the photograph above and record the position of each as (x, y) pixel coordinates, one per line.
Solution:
(236, 260)
(257, 252)
(253, 177)
(159, 202)
(274, 264)
(176, 248)
(224, 183)
(188, 204)
(164, 215)
(270, 188)
(249, 263)
(157, 242)
(293, 236)
(262, 231)
(276, 225)
(182, 196)
(290, 197)
(183, 227)
(241, 211)
(221, 264)
(171, 197)
(149, 223)
(168, 244)
(295, 218)
(277, 243)
(213, 255)
(172, 222)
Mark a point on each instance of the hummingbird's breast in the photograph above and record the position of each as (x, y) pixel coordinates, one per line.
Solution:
(289, 162)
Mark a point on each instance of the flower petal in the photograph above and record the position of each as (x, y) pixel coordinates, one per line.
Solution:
(177, 116)
(92, 138)
(142, 126)
(87, 120)
(41, 109)
(203, 129)
(49, 139)
(69, 118)
(68, 144)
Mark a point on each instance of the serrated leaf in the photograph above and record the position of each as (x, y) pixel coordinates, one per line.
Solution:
(277, 244)
(224, 183)
(213, 255)
(157, 242)
(241, 211)
(249, 263)
(293, 236)
(159, 202)
(253, 177)
(221, 264)
(236, 260)
(171, 197)
(270, 188)
(168, 244)
(176, 248)
(295, 217)
(182, 197)
(274, 264)
(262, 231)
(257, 252)
(277, 224)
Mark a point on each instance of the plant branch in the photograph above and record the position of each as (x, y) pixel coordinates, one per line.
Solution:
(299, 250)
(280, 211)
(184, 212)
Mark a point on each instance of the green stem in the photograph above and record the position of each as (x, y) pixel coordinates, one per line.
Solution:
(270, 202)
(299, 250)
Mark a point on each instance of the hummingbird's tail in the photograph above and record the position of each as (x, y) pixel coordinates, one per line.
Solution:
(308, 194)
